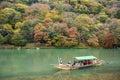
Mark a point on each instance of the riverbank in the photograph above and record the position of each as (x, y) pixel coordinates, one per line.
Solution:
(39, 46)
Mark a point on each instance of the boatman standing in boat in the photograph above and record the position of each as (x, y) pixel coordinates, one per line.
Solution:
(60, 61)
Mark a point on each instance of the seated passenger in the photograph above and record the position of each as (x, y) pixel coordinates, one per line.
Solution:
(69, 63)
(91, 62)
(81, 63)
(74, 63)
(94, 61)
(86, 62)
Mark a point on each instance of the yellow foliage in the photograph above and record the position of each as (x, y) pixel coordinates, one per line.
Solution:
(52, 14)
(39, 26)
(56, 16)
(18, 25)
(93, 3)
(16, 31)
(48, 15)
(21, 5)
(84, 20)
(8, 27)
(85, 1)
(119, 20)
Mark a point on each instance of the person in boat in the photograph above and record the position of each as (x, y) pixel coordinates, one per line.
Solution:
(69, 63)
(76, 64)
(60, 61)
(91, 62)
(86, 62)
(94, 61)
(81, 63)
(98, 61)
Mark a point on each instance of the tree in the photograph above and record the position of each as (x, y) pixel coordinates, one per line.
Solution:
(6, 32)
(27, 30)
(1, 39)
(40, 34)
(87, 6)
(103, 17)
(72, 32)
(85, 25)
(11, 16)
(93, 42)
(5, 4)
(37, 10)
(18, 40)
(21, 7)
(109, 40)
(102, 29)
(53, 14)
(114, 27)
(117, 15)
(63, 41)
(29, 2)
(3, 18)
(6, 29)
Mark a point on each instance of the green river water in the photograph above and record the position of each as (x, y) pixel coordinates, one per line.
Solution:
(32, 64)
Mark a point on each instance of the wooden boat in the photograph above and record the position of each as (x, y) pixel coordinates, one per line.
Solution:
(78, 64)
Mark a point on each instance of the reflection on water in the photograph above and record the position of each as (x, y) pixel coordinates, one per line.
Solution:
(35, 64)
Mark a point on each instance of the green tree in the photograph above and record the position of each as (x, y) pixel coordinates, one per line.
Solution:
(117, 15)
(29, 2)
(3, 18)
(37, 10)
(11, 16)
(6, 29)
(63, 41)
(6, 32)
(18, 40)
(1, 39)
(85, 25)
(27, 30)
(114, 27)
(93, 6)
(21, 7)
(103, 17)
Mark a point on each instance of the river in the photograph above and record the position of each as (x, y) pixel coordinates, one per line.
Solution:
(32, 64)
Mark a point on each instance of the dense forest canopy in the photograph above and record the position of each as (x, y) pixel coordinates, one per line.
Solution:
(60, 23)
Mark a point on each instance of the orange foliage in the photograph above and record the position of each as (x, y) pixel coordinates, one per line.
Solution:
(66, 1)
(37, 35)
(60, 20)
(64, 25)
(72, 32)
(93, 41)
(109, 40)
(47, 20)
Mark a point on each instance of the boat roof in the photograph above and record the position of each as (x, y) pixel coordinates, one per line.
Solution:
(85, 58)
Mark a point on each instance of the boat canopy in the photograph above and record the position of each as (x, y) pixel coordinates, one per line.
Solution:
(85, 58)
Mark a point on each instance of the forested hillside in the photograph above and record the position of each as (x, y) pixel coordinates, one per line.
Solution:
(60, 23)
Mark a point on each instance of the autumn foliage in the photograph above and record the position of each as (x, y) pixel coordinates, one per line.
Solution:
(60, 23)
(109, 40)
